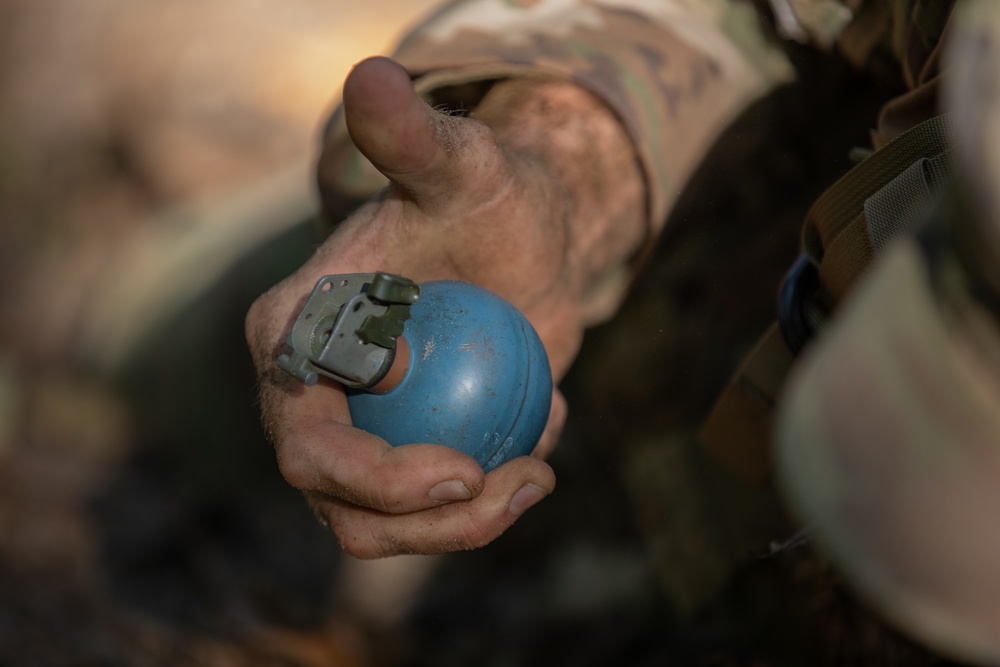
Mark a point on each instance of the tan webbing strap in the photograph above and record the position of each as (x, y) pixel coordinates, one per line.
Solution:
(844, 260)
(738, 430)
(837, 239)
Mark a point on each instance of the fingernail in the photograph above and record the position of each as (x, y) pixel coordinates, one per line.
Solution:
(526, 496)
(453, 489)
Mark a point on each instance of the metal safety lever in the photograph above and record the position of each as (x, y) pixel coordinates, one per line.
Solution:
(348, 327)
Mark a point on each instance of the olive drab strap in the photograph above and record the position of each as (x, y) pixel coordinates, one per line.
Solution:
(847, 228)
(836, 235)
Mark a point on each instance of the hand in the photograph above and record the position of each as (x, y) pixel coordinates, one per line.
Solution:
(504, 201)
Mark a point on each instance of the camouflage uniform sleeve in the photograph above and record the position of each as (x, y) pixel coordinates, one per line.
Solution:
(675, 72)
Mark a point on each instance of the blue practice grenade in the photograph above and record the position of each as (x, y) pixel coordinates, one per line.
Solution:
(446, 362)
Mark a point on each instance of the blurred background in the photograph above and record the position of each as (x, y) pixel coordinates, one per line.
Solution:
(155, 177)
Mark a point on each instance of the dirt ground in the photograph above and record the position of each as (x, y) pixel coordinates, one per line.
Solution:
(154, 178)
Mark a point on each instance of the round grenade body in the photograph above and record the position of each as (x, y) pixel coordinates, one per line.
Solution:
(478, 378)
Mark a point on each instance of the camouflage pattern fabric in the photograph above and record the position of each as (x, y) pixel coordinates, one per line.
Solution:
(675, 71)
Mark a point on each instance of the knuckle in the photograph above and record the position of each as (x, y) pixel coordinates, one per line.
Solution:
(373, 494)
(343, 529)
(384, 484)
(358, 542)
(387, 483)
(353, 546)
(477, 533)
(295, 469)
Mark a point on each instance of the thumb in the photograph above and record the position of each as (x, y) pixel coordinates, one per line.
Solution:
(428, 154)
